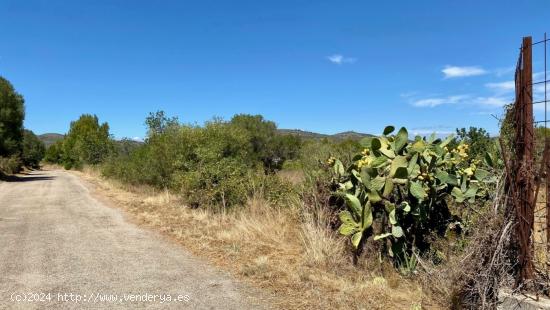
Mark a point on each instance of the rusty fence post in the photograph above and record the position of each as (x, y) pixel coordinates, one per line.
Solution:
(523, 161)
(528, 155)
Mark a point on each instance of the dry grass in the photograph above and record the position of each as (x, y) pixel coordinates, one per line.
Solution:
(293, 176)
(321, 247)
(288, 252)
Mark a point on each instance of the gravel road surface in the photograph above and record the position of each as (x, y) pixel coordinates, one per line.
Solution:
(62, 249)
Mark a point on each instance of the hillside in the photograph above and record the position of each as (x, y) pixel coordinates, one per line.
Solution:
(351, 135)
(50, 138)
(314, 135)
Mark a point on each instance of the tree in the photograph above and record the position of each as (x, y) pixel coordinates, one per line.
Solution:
(267, 145)
(12, 114)
(282, 148)
(33, 149)
(126, 146)
(158, 122)
(87, 142)
(54, 153)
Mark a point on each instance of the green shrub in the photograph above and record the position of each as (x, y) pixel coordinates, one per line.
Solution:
(33, 149)
(314, 153)
(54, 153)
(10, 165)
(205, 163)
(293, 164)
(68, 165)
(133, 167)
(210, 165)
(478, 139)
(222, 183)
(265, 144)
(274, 189)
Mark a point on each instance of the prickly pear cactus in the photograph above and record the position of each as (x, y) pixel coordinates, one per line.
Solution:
(409, 182)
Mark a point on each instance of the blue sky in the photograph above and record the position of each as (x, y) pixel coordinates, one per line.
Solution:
(325, 66)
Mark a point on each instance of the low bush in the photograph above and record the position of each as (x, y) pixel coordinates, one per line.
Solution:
(54, 153)
(33, 149)
(222, 183)
(274, 189)
(10, 165)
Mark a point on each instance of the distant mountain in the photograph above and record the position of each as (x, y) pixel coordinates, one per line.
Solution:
(303, 133)
(314, 135)
(50, 138)
(351, 135)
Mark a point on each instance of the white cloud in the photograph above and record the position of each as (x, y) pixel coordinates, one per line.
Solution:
(434, 102)
(503, 93)
(489, 101)
(507, 89)
(340, 59)
(504, 71)
(138, 139)
(482, 113)
(430, 102)
(455, 71)
(502, 87)
(539, 76)
(492, 101)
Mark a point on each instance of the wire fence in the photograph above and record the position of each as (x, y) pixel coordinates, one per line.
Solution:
(541, 224)
(529, 166)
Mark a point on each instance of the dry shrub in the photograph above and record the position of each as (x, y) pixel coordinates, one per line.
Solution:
(472, 279)
(10, 165)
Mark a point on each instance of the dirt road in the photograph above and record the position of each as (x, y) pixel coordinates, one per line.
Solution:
(57, 240)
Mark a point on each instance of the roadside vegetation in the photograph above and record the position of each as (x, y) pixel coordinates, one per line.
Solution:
(18, 147)
(359, 222)
(321, 221)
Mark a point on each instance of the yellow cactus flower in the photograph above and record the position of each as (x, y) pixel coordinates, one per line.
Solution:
(365, 161)
(462, 151)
